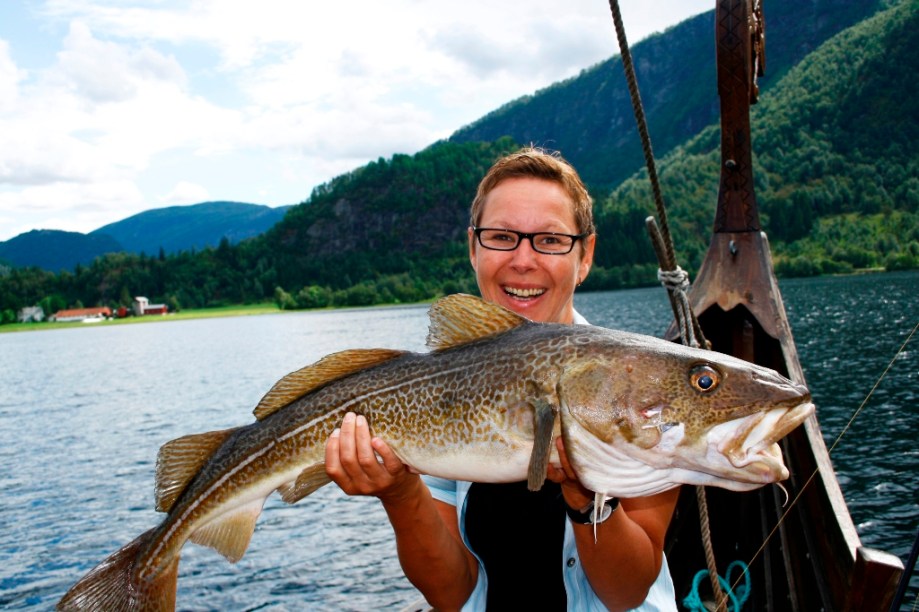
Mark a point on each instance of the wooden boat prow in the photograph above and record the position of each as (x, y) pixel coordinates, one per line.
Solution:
(807, 555)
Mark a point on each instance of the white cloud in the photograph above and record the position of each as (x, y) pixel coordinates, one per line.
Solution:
(10, 75)
(156, 101)
(70, 206)
(186, 193)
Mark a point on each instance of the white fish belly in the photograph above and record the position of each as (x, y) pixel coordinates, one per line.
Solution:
(502, 465)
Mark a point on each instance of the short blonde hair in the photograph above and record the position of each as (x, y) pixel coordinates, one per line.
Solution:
(533, 162)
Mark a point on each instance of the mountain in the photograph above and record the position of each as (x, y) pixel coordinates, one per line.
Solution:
(589, 118)
(836, 156)
(182, 228)
(55, 250)
(171, 229)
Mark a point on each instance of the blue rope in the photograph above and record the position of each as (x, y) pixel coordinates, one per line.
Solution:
(694, 602)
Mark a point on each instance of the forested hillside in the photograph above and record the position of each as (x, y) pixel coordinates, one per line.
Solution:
(836, 160)
(56, 250)
(197, 226)
(170, 229)
(836, 154)
(590, 118)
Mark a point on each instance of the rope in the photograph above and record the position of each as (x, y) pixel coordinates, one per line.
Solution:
(721, 598)
(642, 123)
(673, 279)
(670, 274)
(737, 599)
(676, 282)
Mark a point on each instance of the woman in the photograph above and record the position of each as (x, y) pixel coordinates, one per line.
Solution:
(464, 545)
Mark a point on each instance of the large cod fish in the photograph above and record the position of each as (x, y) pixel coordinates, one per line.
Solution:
(638, 415)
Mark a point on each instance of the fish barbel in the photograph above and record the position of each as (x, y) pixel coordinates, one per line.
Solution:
(637, 414)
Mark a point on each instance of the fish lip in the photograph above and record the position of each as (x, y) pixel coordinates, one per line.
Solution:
(757, 441)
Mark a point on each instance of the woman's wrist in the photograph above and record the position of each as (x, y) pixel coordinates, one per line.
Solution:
(407, 489)
(575, 495)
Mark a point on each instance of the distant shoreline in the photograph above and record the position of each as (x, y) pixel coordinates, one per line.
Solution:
(266, 308)
(182, 315)
(242, 310)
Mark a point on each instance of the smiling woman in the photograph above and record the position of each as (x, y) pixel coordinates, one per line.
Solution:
(532, 193)
(531, 242)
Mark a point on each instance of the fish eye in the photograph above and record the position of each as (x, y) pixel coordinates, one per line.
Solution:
(704, 379)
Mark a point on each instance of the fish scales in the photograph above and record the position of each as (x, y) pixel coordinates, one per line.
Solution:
(637, 415)
(458, 398)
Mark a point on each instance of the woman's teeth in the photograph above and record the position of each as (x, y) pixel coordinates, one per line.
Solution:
(523, 293)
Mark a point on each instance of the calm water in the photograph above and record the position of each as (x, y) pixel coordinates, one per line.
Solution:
(83, 412)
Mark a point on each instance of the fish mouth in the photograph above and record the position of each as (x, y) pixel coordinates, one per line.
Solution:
(754, 449)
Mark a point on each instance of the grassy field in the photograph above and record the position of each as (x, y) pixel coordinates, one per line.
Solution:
(192, 313)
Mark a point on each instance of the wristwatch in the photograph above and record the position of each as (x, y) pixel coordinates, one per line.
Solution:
(585, 516)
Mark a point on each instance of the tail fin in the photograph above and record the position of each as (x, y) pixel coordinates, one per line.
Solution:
(111, 585)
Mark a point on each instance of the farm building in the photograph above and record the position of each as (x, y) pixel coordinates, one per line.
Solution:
(142, 306)
(82, 314)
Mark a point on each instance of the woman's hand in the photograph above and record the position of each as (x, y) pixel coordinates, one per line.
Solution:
(575, 494)
(363, 465)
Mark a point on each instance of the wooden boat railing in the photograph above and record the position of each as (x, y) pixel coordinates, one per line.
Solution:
(806, 554)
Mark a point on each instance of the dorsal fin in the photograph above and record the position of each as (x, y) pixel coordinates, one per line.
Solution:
(179, 460)
(461, 318)
(331, 367)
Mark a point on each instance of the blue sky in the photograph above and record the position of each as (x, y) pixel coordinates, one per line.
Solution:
(109, 108)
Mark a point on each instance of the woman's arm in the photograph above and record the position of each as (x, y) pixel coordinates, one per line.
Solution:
(625, 558)
(428, 540)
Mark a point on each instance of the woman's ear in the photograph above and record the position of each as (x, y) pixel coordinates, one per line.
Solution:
(471, 235)
(587, 257)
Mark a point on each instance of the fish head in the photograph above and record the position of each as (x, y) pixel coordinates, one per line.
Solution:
(641, 416)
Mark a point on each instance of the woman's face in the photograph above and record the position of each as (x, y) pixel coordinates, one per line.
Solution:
(537, 286)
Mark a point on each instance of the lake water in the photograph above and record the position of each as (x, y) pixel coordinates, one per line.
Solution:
(84, 410)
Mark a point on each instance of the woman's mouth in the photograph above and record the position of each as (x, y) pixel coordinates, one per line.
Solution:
(523, 293)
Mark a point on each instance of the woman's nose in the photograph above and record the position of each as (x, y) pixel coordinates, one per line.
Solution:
(524, 255)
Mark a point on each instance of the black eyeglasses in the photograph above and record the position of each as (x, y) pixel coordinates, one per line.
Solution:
(548, 243)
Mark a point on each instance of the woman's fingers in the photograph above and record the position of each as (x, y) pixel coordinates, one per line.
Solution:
(391, 462)
(364, 454)
(359, 463)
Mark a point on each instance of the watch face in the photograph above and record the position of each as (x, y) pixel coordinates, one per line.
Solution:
(585, 516)
(605, 512)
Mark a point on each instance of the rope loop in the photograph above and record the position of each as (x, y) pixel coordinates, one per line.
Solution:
(676, 282)
(737, 599)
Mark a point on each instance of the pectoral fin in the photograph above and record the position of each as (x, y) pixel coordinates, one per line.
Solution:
(229, 534)
(544, 423)
(308, 481)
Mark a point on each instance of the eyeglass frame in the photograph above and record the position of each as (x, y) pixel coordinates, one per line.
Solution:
(521, 236)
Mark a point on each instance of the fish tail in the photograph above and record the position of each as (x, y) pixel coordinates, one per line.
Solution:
(113, 585)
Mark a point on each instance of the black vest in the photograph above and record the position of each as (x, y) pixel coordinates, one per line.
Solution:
(519, 534)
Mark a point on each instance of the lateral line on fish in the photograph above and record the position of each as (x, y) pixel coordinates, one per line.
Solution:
(217, 484)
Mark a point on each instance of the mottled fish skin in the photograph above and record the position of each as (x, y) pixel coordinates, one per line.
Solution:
(628, 407)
